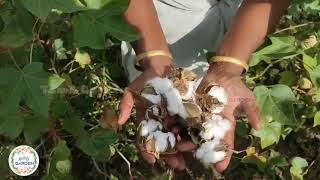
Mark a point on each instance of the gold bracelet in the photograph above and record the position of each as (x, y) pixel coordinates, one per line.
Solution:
(151, 54)
(230, 60)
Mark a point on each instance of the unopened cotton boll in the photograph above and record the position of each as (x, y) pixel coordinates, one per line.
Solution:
(162, 141)
(219, 93)
(154, 99)
(174, 101)
(147, 127)
(161, 85)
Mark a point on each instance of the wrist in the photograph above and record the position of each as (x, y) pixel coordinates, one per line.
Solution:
(159, 65)
(222, 72)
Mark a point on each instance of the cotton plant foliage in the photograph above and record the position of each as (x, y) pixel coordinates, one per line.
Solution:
(176, 95)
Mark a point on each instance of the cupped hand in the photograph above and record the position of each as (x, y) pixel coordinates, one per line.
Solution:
(240, 99)
(155, 68)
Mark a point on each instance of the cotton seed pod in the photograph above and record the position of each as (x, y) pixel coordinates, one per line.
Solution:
(310, 42)
(148, 127)
(192, 109)
(181, 86)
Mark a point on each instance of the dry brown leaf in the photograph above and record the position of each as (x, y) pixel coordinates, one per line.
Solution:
(181, 85)
(109, 118)
(187, 75)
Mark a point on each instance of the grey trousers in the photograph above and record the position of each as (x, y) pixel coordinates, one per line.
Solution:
(191, 28)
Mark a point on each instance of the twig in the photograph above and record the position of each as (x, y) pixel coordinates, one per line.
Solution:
(306, 171)
(126, 160)
(13, 59)
(294, 27)
(98, 168)
(267, 68)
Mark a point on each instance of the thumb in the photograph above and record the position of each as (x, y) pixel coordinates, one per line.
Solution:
(125, 107)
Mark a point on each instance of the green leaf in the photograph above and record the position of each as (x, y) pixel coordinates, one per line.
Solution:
(59, 166)
(55, 81)
(18, 29)
(83, 58)
(269, 133)
(316, 121)
(298, 165)
(25, 86)
(97, 145)
(96, 4)
(315, 76)
(287, 78)
(11, 125)
(74, 125)
(33, 126)
(60, 50)
(97, 24)
(42, 8)
(277, 102)
(282, 47)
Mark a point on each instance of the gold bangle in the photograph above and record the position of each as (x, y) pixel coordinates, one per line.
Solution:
(151, 54)
(230, 60)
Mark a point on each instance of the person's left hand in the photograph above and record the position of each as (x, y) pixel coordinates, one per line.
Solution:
(240, 98)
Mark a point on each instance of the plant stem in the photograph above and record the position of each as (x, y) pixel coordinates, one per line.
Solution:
(294, 27)
(266, 69)
(13, 59)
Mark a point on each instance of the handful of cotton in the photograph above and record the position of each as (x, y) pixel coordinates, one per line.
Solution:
(176, 95)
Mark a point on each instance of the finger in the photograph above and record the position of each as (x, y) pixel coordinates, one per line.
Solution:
(125, 107)
(252, 111)
(146, 156)
(229, 140)
(175, 161)
(185, 146)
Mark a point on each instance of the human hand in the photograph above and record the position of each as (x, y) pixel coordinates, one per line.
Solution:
(240, 99)
(157, 67)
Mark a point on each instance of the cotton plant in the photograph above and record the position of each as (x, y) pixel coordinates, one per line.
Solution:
(176, 95)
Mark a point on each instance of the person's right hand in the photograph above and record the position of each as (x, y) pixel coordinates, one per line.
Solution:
(157, 67)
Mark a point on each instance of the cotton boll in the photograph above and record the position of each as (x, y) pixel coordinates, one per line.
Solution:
(172, 139)
(215, 128)
(161, 85)
(219, 93)
(212, 157)
(155, 110)
(149, 126)
(206, 147)
(163, 140)
(174, 101)
(190, 94)
(154, 99)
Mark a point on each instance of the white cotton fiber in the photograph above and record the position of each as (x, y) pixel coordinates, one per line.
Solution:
(219, 93)
(162, 139)
(174, 101)
(161, 85)
(154, 99)
(207, 155)
(147, 127)
(216, 127)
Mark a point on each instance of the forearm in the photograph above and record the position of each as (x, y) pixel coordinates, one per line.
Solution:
(143, 16)
(252, 23)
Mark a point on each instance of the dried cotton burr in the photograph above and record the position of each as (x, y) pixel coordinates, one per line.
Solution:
(176, 95)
